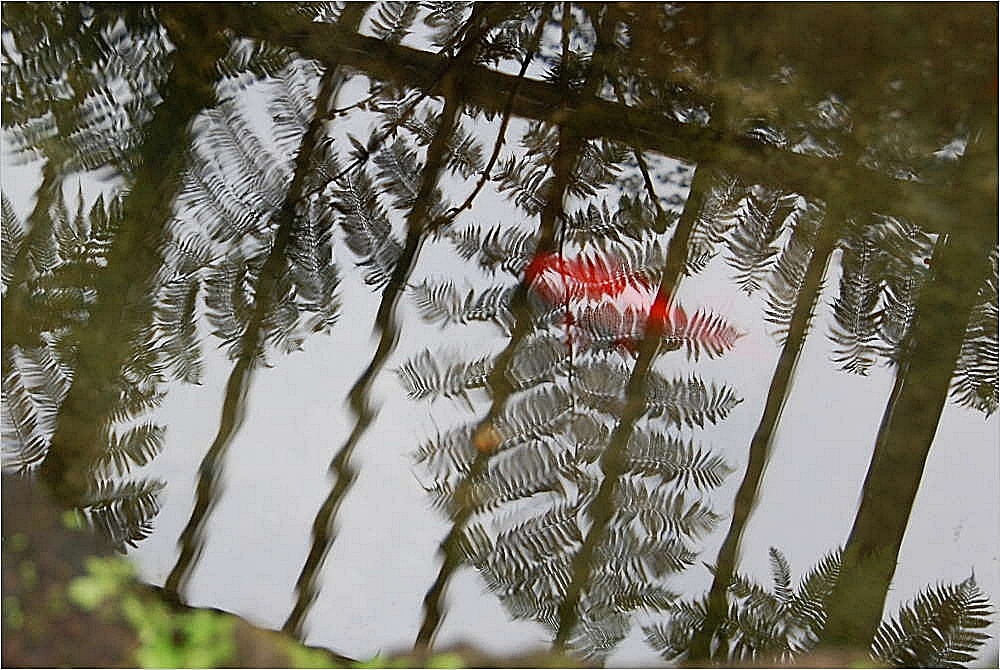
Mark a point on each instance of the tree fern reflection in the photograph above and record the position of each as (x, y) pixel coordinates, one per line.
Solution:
(521, 516)
(941, 627)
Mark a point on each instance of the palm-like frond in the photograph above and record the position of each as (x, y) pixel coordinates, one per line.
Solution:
(447, 456)
(11, 238)
(975, 382)
(753, 242)
(785, 282)
(540, 358)
(940, 628)
(82, 83)
(500, 248)
(702, 333)
(446, 19)
(672, 638)
(463, 151)
(441, 302)
(135, 447)
(718, 215)
(674, 459)
(229, 300)
(525, 179)
(689, 402)
(367, 228)
(175, 319)
(537, 413)
(423, 377)
(34, 385)
(311, 270)
(392, 21)
(123, 512)
(907, 248)
(662, 511)
(806, 609)
(856, 314)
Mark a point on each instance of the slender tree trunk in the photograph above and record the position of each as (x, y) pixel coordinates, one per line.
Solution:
(960, 265)
(122, 306)
(760, 445)
(191, 540)
(418, 226)
(613, 461)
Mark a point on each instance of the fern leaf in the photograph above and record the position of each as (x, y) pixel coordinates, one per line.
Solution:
(442, 303)
(392, 20)
(137, 446)
(367, 228)
(175, 318)
(856, 314)
(424, 378)
(674, 459)
(753, 243)
(975, 384)
(123, 512)
(938, 629)
(689, 402)
(12, 238)
(704, 333)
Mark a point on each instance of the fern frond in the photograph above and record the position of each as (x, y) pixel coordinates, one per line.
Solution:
(527, 182)
(718, 215)
(446, 19)
(808, 605)
(137, 446)
(702, 333)
(781, 573)
(504, 248)
(663, 511)
(753, 243)
(535, 414)
(785, 282)
(541, 357)
(123, 511)
(447, 455)
(229, 300)
(12, 231)
(674, 459)
(424, 378)
(975, 383)
(442, 303)
(175, 317)
(672, 639)
(367, 228)
(940, 628)
(392, 20)
(856, 314)
(689, 402)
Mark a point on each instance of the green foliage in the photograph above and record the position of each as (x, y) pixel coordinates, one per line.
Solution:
(940, 628)
(975, 384)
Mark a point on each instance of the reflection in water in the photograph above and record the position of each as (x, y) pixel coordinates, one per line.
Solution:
(581, 486)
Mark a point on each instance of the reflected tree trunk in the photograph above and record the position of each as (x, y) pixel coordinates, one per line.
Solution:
(451, 75)
(191, 541)
(433, 603)
(960, 265)
(613, 461)
(760, 445)
(122, 307)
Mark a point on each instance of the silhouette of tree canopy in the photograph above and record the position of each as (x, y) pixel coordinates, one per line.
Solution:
(639, 144)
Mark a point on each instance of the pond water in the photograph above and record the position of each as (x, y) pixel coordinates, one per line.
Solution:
(646, 332)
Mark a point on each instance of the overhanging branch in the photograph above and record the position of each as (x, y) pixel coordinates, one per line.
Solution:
(848, 184)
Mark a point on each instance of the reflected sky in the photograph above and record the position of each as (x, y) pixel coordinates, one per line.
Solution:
(353, 235)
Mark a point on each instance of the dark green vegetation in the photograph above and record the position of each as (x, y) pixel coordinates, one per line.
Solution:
(581, 484)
